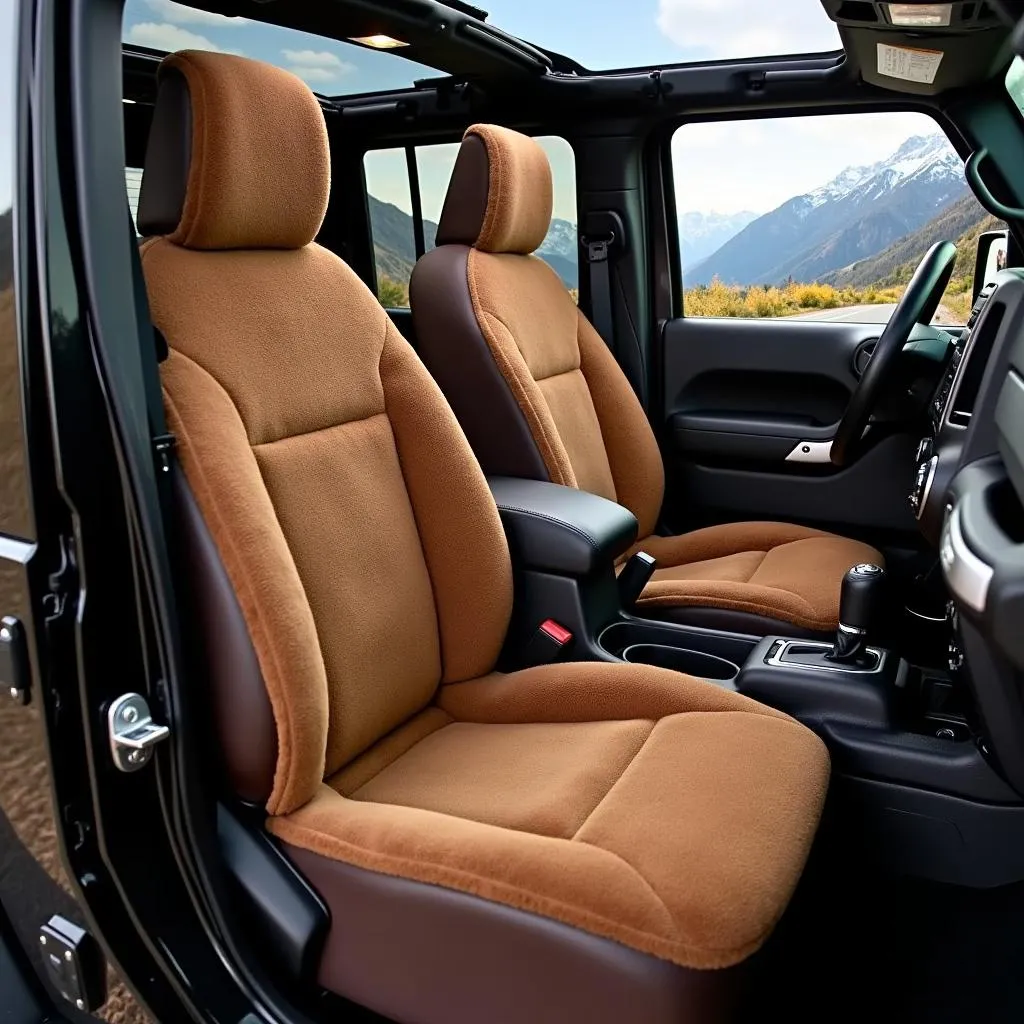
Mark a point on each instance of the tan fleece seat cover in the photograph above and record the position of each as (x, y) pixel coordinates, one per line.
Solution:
(372, 572)
(585, 420)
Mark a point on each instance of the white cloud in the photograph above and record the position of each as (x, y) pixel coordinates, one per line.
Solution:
(317, 67)
(182, 15)
(163, 36)
(728, 166)
(715, 29)
(316, 59)
(313, 76)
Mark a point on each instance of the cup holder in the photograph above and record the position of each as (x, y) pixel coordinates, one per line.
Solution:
(680, 659)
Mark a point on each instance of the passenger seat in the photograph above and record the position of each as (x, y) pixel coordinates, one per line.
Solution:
(540, 396)
(577, 842)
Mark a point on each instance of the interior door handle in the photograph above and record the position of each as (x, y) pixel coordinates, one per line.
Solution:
(814, 452)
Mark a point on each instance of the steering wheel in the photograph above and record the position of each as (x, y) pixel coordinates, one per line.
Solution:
(918, 305)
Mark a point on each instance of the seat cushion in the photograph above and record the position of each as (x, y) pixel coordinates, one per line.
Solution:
(778, 571)
(638, 804)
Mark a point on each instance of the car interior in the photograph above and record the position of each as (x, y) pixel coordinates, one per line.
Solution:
(560, 656)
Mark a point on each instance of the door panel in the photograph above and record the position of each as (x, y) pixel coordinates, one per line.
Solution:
(739, 398)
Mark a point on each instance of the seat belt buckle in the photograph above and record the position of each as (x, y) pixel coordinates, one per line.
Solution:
(547, 644)
(598, 248)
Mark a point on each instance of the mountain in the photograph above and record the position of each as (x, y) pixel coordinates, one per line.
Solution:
(395, 247)
(560, 249)
(701, 234)
(961, 222)
(859, 213)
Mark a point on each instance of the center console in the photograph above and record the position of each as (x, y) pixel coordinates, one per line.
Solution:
(915, 787)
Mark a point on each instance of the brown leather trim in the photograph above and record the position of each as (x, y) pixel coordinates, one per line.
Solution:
(417, 952)
(465, 203)
(730, 620)
(456, 353)
(168, 157)
(243, 716)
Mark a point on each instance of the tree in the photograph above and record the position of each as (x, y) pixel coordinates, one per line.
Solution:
(392, 294)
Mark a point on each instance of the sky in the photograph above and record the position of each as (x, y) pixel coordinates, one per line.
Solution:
(778, 158)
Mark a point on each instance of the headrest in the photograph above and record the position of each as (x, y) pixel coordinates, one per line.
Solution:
(499, 198)
(237, 156)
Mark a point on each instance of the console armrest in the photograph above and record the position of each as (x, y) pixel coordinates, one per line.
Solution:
(560, 529)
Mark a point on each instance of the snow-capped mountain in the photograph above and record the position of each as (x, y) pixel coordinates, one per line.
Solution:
(560, 248)
(857, 214)
(700, 234)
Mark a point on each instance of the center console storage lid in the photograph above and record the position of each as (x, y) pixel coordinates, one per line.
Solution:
(560, 529)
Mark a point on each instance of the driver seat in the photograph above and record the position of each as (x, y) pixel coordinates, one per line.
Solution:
(540, 396)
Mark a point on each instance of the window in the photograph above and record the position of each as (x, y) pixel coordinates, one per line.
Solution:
(405, 192)
(1015, 83)
(822, 217)
(132, 183)
(328, 66)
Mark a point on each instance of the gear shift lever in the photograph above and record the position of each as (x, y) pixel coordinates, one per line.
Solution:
(859, 600)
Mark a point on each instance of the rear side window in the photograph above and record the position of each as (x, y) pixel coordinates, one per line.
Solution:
(405, 190)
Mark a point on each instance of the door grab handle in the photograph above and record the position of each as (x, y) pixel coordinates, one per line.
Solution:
(818, 453)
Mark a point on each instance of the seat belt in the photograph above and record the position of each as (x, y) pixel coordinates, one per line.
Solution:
(598, 252)
(602, 242)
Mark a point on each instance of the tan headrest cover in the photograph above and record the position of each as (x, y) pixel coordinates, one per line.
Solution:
(254, 143)
(499, 198)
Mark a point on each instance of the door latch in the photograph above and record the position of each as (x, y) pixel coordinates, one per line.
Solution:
(133, 733)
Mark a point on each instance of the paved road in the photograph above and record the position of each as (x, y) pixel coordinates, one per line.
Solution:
(850, 314)
(869, 315)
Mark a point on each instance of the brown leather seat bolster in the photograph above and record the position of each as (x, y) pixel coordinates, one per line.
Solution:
(487, 962)
(460, 360)
(243, 718)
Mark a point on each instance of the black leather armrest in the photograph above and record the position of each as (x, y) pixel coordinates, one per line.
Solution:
(559, 529)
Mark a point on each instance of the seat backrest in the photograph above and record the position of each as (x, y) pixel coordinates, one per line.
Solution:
(532, 383)
(349, 513)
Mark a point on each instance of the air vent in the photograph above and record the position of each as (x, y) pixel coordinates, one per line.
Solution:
(857, 10)
(863, 355)
(967, 12)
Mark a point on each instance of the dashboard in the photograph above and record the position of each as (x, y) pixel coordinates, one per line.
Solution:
(969, 499)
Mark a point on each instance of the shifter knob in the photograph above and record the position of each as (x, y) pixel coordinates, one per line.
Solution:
(859, 600)
(860, 596)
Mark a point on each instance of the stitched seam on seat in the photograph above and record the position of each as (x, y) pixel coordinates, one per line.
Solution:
(625, 769)
(316, 430)
(415, 517)
(557, 373)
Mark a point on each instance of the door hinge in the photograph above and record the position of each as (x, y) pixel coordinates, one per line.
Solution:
(133, 733)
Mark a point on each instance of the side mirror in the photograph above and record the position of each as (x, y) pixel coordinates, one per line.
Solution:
(990, 258)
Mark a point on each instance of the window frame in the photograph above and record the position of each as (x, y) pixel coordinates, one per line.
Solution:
(668, 129)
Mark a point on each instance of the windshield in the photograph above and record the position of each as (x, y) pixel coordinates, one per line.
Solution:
(326, 65)
(612, 34)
